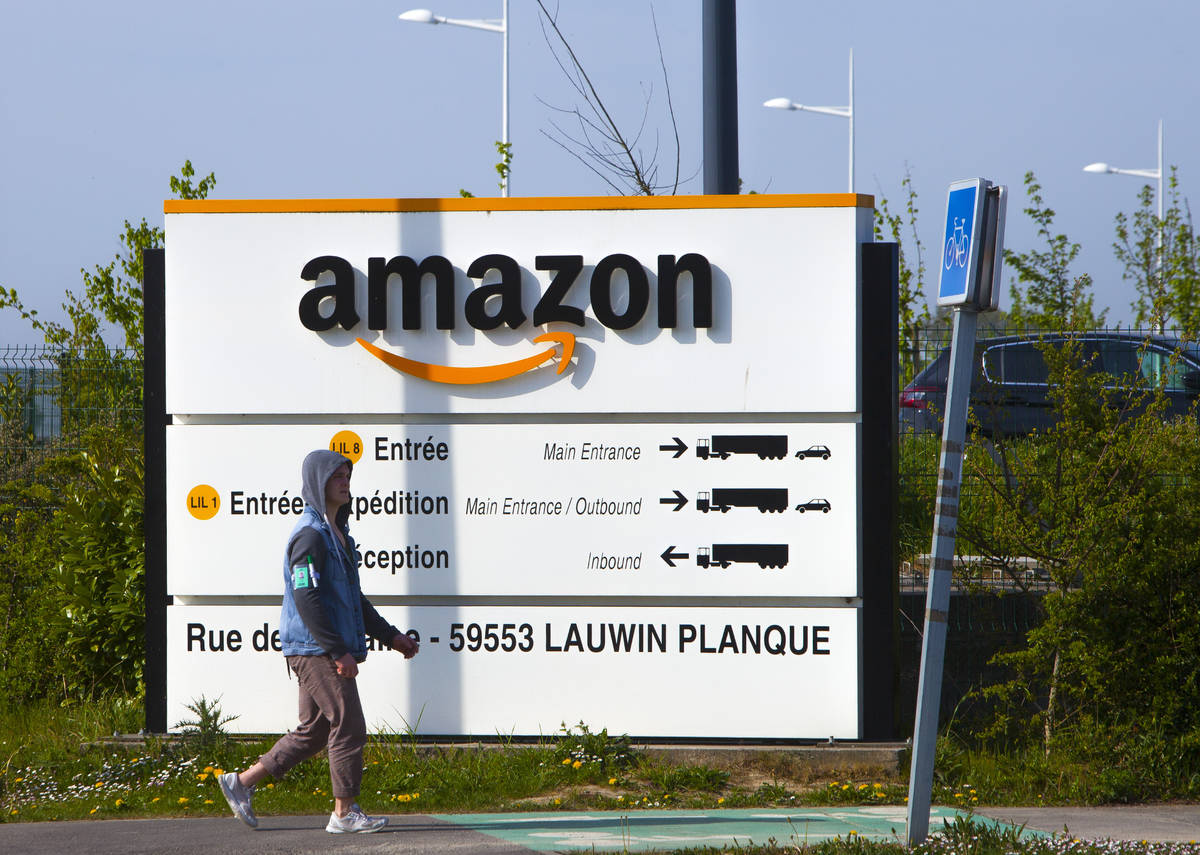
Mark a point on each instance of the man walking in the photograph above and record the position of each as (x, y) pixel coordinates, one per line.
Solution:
(323, 629)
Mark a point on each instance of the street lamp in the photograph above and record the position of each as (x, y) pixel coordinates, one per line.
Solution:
(1106, 169)
(424, 16)
(844, 112)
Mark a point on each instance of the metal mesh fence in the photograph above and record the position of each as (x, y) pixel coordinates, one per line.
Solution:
(1010, 398)
(51, 397)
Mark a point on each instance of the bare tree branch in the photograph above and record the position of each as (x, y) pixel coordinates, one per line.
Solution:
(598, 141)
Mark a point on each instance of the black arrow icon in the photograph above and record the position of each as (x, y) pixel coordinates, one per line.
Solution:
(679, 447)
(668, 555)
(679, 501)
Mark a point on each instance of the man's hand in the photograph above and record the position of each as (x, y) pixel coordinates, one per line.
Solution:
(405, 644)
(346, 666)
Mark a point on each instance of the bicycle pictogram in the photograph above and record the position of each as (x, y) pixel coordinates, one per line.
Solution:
(956, 245)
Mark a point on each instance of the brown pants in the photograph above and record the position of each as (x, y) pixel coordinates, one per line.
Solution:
(330, 714)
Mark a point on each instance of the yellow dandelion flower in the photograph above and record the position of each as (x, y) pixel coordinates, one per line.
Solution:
(119, 802)
(853, 833)
(93, 810)
(18, 780)
(721, 800)
(416, 795)
(271, 786)
(566, 761)
(611, 781)
(845, 786)
(218, 772)
(156, 798)
(877, 786)
(13, 812)
(958, 795)
(208, 801)
(880, 794)
(576, 764)
(99, 784)
(861, 787)
(974, 798)
(203, 776)
(183, 800)
(558, 801)
(209, 769)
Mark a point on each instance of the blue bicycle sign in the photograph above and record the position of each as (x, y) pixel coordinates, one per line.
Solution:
(963, 217)
(956, 245)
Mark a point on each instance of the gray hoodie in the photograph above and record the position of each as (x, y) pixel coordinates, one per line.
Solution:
(315, 472)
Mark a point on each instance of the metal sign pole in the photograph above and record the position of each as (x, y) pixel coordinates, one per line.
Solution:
(937, 601)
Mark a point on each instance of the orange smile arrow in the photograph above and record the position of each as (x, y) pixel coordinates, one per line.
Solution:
(483, 373)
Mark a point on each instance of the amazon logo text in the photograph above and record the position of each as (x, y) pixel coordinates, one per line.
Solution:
(487, 307)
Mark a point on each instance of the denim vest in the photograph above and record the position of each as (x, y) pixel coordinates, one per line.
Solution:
(339, 592)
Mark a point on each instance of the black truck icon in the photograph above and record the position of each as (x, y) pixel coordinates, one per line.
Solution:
(773, 446)
(766, 499)
(763, 554)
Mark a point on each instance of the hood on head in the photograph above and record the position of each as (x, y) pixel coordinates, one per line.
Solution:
(315, 472)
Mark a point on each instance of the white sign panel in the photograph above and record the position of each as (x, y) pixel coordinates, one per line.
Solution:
(489, 670)
(546, 510)
(577, 410)
(703, 309)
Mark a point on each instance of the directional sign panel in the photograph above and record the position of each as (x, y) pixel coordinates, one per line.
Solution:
(488, 670)
(560, 509)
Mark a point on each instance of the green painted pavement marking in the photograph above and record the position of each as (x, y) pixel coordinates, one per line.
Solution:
(676, 829)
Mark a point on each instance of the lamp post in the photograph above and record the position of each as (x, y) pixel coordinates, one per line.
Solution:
(424, 16)
(1106, 169)
(844, 112)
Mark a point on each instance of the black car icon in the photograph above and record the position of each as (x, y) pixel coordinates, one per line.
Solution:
(821, 505)
(821, 451)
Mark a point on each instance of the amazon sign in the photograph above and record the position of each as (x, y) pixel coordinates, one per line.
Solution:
(597, 443)
(739, 304)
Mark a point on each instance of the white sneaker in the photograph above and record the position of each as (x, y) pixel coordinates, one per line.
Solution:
(354, 822)
(238, 797)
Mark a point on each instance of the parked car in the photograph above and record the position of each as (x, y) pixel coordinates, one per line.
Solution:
(1009, 391)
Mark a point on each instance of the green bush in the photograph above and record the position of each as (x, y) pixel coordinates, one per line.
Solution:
(29, 633)
(99, 580)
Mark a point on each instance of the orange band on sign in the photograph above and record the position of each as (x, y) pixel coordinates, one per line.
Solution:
(532, 203)
(471, 375)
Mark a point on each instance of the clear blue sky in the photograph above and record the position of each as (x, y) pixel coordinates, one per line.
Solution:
(101, 102)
